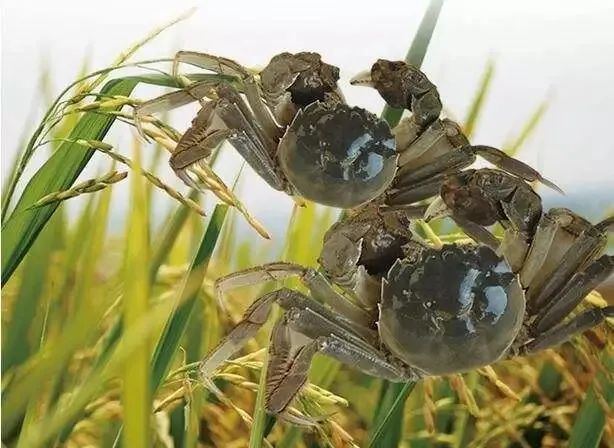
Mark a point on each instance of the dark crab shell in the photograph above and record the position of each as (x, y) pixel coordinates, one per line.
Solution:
(338, 155)
(450, 310)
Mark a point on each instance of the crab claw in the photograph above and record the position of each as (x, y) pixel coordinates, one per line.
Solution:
(362, 79)
(437, 209)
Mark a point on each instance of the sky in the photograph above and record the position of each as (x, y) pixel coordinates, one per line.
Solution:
(559, 51)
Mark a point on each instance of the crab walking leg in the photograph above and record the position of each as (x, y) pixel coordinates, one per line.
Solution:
(198, 141)
(289, 365)
(564, 244)
(575, 290)
(322, 290)
(423, 140)
(477, 233)
(324, 331)
(190, 94)
(251, 124)
(252, 92)
(511, 165)
(588, 245)
(287, 369)
(411, 194)
(253, 318)
(547, 229)
(246, 142)
(418, 147)
(563, 332)
(450, 162)
(205, 134)
(258, 312)
(417, 183)
(315, 282)
(224, 118)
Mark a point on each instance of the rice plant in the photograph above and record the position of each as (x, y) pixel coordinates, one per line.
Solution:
(103, 332)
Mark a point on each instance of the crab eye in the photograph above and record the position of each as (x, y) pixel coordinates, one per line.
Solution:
(338, 155)
(453, 310)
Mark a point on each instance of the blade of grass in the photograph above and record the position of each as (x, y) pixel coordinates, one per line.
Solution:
(527, 130)
(478, 100)
(417, 52)
(169, 235)
(79, 305)
(169, 341)
(589, 426)
(136, 398)
(59, 173)
(16, 346)
(387, 429)
(134, 337)
(256, 435)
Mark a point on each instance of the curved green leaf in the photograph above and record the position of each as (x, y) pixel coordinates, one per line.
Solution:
(61, 170)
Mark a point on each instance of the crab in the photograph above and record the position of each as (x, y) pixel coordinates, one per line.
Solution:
(389, 304)
(291, 124)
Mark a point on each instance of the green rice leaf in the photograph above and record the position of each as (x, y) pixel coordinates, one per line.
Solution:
(16, 345)
(256, 435)
(477, 105)
(590, 422)
(60, 171)
(512, 147)
(136, 398)
(389, 415)
(175, 327)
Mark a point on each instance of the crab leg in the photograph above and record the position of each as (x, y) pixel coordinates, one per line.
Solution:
(289, 365)
(582, 251)
(287, 370)
(575, 290)
(563, 332)
(420, 147)
(190, 94)
(226, 66)
(477, 233)
(574, 243)
(511, 165)
(229, 113)
(452, 161)
(547, 229)
(313, 280)
(204, 134)
(410, 194)
(460, 158)
(305, 328)
(246, 142)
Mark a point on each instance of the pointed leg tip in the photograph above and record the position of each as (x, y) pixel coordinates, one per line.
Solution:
(551, 185)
